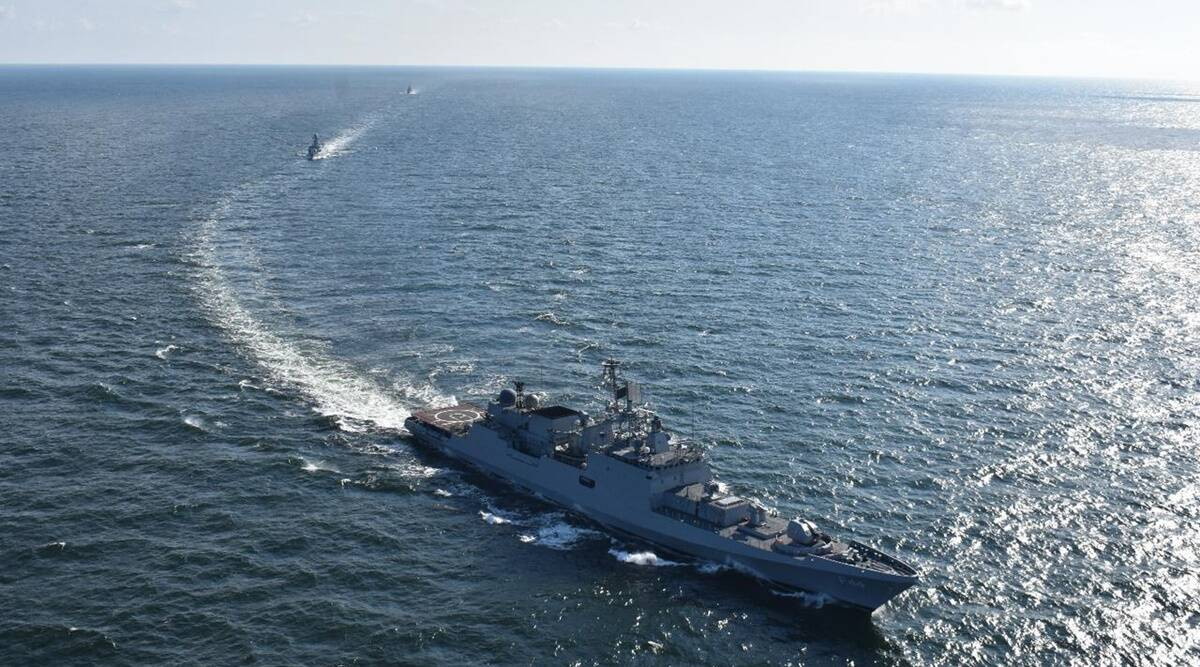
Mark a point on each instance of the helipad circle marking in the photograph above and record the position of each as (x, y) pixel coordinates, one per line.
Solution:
(452, 415)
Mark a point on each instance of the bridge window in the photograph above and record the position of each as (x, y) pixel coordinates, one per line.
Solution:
(587, 481)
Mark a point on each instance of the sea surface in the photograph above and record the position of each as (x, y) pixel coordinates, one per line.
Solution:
(955, 318)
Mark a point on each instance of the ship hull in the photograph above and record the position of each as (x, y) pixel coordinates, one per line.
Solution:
(620, 501)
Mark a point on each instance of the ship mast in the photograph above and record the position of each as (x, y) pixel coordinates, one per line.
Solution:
(629, 392)
(611, 382)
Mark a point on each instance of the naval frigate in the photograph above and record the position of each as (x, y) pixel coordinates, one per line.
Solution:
(626, 472)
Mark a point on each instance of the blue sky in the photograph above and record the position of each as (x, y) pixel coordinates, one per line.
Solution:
(1153, 38)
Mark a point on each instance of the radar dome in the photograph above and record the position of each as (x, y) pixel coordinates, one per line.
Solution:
(507, 398)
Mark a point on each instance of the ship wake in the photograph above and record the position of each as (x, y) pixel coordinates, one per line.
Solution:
(644, 558)
(341, 142)
(229, 279)
(552, 530)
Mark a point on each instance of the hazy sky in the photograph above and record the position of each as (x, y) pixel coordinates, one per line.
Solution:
(1149, 38)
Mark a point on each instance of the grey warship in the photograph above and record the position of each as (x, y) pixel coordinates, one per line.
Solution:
(624, 471)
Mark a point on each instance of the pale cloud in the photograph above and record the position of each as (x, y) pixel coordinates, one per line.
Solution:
(889, 7)
(176, 6)
(325, 16)
(911, 7)
(1002, 5)
(6, 12)
(634, 25)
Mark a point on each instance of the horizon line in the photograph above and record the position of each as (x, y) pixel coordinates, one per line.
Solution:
(629, 68)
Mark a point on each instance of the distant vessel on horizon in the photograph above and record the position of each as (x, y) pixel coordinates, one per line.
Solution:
(410, 90)
(314, 148)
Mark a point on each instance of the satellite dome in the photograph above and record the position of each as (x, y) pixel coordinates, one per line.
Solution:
(507, 398)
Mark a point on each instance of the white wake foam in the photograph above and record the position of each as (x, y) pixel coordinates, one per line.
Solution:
(335, 388)
(555, 533)
(492, 518)
(316, 466)
(413, 470)
(645, 558)
(197, 422)
(709, 567)
(341, 142)
(347, 395)
(546, 529)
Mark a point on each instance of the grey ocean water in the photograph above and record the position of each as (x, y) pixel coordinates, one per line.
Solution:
(954, 318)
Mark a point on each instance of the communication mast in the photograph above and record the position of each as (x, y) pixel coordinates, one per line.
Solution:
(629, 392)
(611, 382)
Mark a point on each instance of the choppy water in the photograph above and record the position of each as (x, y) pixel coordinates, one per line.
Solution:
(954, 318)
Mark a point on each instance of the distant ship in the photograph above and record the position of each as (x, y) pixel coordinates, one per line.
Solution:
(314, 148)
(410, 90)
(624, 471)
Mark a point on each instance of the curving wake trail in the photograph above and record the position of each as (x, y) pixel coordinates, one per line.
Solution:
(338, 390)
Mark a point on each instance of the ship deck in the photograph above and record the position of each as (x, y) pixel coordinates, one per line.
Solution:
(456, 419)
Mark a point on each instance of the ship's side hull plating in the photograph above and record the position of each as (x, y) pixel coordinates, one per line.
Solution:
(609, 492)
